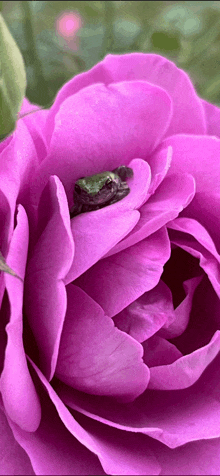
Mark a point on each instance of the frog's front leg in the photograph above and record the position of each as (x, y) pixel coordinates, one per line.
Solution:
(122, 192)
(76, 210)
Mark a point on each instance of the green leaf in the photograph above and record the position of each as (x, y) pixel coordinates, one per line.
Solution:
(5, 268)
(12, 80)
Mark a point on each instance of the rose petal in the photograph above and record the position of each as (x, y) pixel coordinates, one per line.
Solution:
(212, 115)
(174, 194)
(188, 114)
(100, 128)
(198, 457)
(145, 316)
(46, 270)
(126, 453)
(52, 449)
(35, 122)
(158, 351)
(96, 232)
(198, 243)
(188, 111)
(182, 312)
(17, 166)
(18, 392)
(14, 460)
(185, 371)
(117, 281)
(96, 357)
(194, 155)
(173, 418)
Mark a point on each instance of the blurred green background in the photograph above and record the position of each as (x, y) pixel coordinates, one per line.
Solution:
(61, 39)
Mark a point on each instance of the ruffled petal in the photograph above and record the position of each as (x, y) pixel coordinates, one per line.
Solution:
(18, 392)
(188, 114)
(94, 356)
(14, 460)
(145, 316)
(45, 293)
(117, 281)
(171, 197)
(182, 312)
(198, 156)
(96, 232)
(188, 111)
(191, 236)
(212, 116)
(186, 370)
(100, 128)
(172, 417)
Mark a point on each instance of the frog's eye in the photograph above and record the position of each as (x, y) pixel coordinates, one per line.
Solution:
(77, 188)
(108, 182)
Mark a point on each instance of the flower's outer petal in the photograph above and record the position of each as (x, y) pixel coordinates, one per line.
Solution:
(52, 449)
(212, 115)
(100, 128)
(95, 233)
(96, 357)
(117, 281)
(35, 121)
(205, 208)
(186, 370)
(171, 417)
(191, 236)
(18, 162)
(13, 459)
(46, 270)
(182, 312)
(159, 351)
(118, 453)
(18, 392)
(126, 454)
(159, 162)
(188, 112)
(145, 316)
(198, 156)
(199, 457)
(171, 197)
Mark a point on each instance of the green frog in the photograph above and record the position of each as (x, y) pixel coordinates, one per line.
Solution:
(100, 190)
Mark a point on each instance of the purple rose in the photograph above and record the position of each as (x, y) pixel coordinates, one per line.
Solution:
(110, 344)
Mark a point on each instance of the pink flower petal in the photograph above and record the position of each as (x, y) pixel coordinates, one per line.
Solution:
(212, 115)
(186, 370)
(174, 194)
(94, 356)
(100, 128)
(145, 316)
(188, 111)
(97, 232)
(18, 392)
(117, 281)
(173, 418)
(188, 114)
(199, 244)
(47, 268)
(14, 460)
(182, 312)
(159, 351)
(52, 449)
(194, 155)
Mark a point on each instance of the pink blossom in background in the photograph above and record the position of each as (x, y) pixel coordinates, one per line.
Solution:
(67, 25)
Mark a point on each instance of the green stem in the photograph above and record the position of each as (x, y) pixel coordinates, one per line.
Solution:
(32, 54)
(108, 23)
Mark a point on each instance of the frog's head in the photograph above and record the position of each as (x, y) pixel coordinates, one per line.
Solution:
(96, 189)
